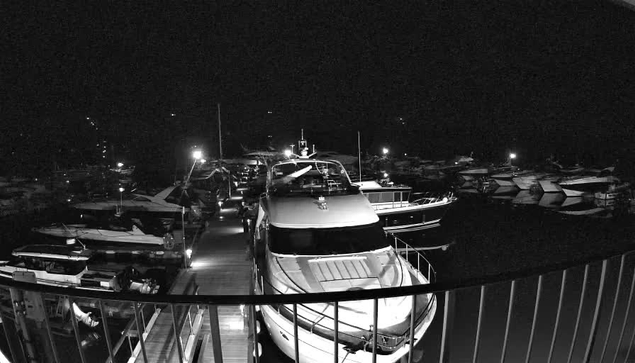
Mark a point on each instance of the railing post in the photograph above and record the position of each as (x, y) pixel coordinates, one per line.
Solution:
(533, 322)
(6, 334)
(448, 324)
(413, 320)
(580, 304)
(375, 319)
(558, 311)
(177, 336)
(104, 321)
(628, 309)
(481, 306)
(615, 299)
(254, 325)
(596, 314)
(140, 330)
(510, 308)
(76, 329)
(336, 318)
(296, 338)
(215, 330)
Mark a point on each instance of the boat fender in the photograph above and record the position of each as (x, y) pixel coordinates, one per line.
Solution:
(168, 241)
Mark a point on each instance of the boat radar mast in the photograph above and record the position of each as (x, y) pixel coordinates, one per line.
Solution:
(303, 148)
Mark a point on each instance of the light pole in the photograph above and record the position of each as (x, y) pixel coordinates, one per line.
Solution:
(512, 156)
(121, 190)
(196, 154)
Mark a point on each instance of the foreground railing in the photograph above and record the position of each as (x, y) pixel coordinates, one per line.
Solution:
(572, 312)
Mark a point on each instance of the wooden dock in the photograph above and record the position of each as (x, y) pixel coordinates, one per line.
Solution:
(220, 265)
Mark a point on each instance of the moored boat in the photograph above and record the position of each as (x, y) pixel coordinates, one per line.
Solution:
(315, 232)
(398, 212)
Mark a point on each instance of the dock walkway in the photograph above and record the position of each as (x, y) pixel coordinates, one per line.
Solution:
(220, 266)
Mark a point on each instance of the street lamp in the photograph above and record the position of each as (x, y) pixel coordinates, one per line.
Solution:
(121, 190)
(512, 156)
(385, 151)
(196, 154)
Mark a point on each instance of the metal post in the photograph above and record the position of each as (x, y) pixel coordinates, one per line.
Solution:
(375, 319)
(183, 237)
(413, 320)
(335, 330)
(615, 299)
(177, 336)
(76, 330)
(481, 306)
(533, 323)
(359, 154)
(448, 323)
(510, 308)
(596, 314)
(111, 355)
(580, 304)
(140, 330)
(254, 323)
(215, 330)
(50, 337)
(296, 338)
(628, 309)
(557, 323)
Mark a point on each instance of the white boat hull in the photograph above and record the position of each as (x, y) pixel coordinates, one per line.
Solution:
(573, 193)
(549, 186)
(505, 183)
(104, 235)
(313, 348)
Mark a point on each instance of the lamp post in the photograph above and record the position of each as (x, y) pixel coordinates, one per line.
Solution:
(196, 154)
(121, 190)
(512, 156)
(385, 151)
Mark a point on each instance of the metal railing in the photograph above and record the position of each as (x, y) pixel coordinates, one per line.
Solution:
(578, 311)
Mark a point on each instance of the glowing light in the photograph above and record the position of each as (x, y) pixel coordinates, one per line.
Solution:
(121, 190)
(220, 204)
(172, 114)
(120, 165)
(197, 154)
(385, 175)
(384, 150)
(188, 253)
(512, 156)
(287, 153)
(203, 161)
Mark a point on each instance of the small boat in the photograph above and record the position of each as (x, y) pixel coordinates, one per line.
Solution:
(398, 213)
(582, 185)
(549, 184)
(67, 266)
(168, 201)
(114, 230)
(316, 232)
(526, 181)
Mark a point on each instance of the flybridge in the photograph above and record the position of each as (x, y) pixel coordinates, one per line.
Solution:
(303, 148)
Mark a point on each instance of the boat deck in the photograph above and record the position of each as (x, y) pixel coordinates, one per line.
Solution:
(220, 266)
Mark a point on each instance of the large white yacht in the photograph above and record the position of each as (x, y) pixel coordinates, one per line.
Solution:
(315, 232)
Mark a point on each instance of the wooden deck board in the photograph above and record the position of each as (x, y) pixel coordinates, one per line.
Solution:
(219, 267)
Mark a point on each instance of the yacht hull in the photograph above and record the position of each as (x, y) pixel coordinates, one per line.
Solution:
(313, 348)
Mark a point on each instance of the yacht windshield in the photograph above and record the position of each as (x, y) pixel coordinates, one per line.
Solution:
(327, 241)
(308, 177)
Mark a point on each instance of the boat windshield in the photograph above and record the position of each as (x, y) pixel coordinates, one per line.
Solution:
(327, 241)
(308, 177)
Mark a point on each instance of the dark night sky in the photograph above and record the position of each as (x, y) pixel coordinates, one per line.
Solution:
(535, 76)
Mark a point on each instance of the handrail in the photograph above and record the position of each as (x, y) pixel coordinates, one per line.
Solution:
(435, 287)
